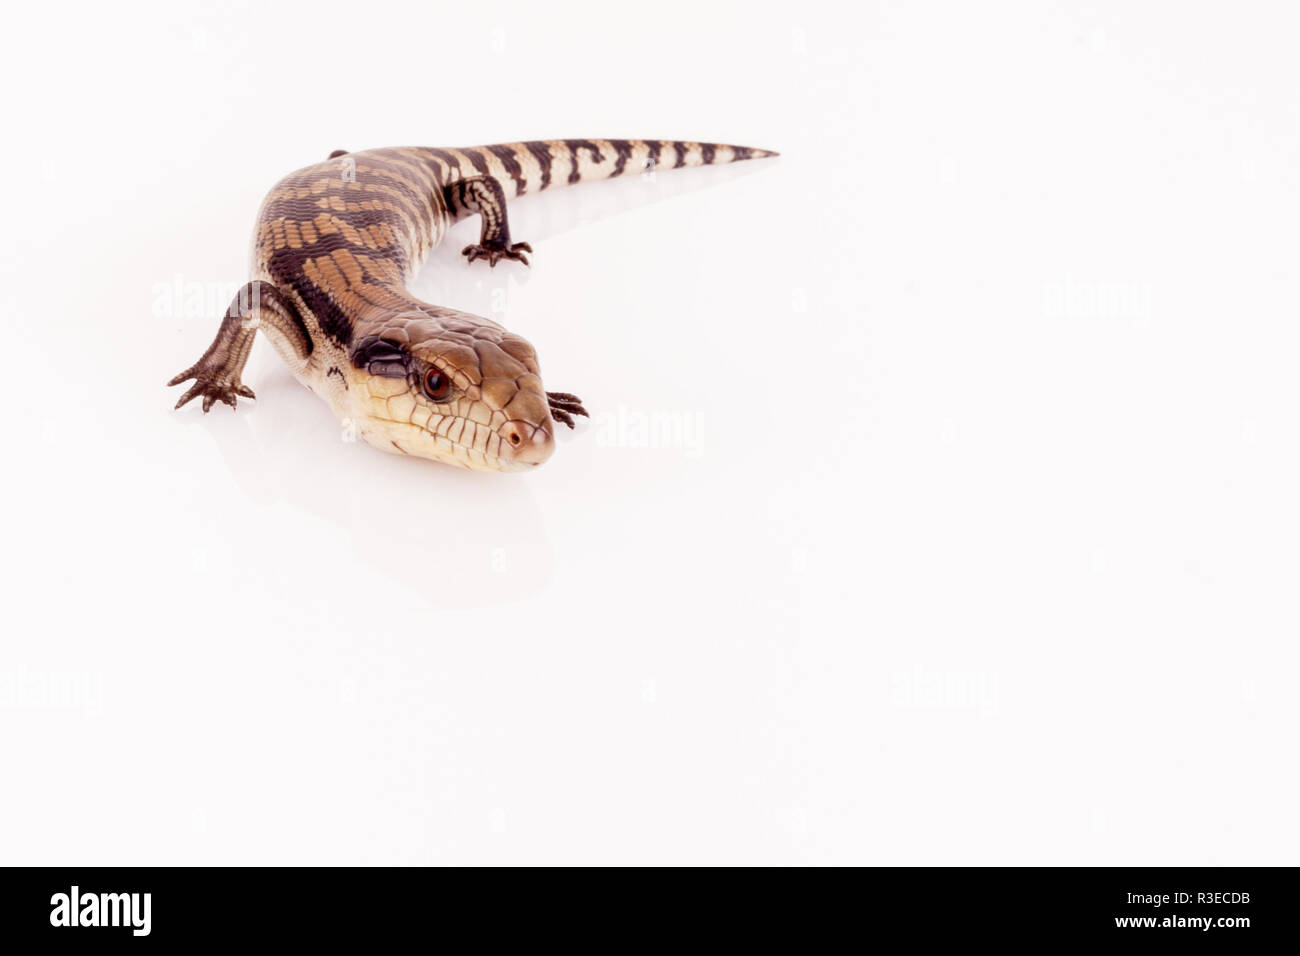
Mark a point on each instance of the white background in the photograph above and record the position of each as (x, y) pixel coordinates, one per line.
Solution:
(972, 537)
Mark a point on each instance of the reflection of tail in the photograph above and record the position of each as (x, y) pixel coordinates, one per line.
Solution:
(537, 165)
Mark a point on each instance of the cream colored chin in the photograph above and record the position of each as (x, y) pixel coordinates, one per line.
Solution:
(404, 438)
(486, 464)
(512, 466)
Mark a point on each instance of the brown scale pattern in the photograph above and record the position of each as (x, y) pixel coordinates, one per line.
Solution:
(395, 204)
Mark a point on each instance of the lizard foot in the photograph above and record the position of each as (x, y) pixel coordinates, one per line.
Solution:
(564, 406)
(215, 385)
(495, 252)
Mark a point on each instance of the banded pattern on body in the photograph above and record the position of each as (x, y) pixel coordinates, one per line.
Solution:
(530, 167)
(348, 233)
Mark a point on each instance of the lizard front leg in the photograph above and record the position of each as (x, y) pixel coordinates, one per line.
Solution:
(484, 195)
(258, 305)
(564, 406)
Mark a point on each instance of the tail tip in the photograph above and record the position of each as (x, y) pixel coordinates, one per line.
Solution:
(752, 152)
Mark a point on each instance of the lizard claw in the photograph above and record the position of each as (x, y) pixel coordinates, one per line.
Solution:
(564, 406)
(211, 387)
(495, 252)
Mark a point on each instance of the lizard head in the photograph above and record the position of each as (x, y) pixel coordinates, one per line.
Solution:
(456, 389)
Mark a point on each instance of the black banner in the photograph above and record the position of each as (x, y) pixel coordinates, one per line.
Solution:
(1227, 908)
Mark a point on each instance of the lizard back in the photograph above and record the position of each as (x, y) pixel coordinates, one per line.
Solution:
(347, 234)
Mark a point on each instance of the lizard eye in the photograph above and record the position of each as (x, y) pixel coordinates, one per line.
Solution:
(436, 385)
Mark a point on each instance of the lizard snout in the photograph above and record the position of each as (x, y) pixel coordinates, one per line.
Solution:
(526, 443)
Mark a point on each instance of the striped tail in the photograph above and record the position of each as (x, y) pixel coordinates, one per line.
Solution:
(540, 164)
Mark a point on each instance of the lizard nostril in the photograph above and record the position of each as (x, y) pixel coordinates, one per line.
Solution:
(528, 443)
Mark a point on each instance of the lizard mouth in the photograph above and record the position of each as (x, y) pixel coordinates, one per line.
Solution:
(522, 445)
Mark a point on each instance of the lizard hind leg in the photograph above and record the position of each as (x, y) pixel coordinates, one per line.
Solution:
(484, 195)
(258, 305)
